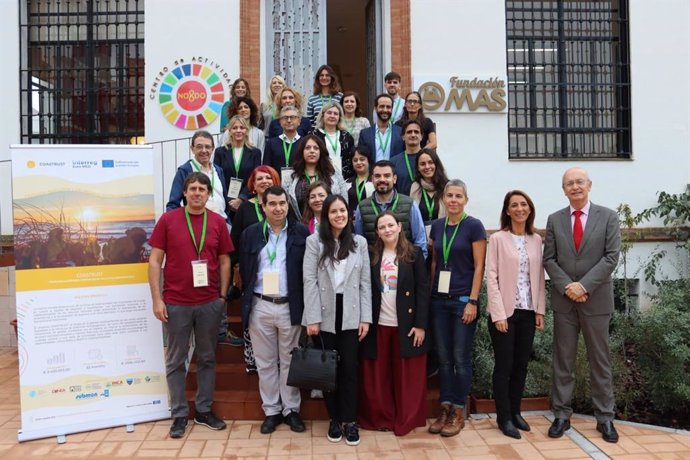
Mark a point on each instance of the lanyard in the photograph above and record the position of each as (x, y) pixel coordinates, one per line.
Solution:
(287, 151)
(271, 255)
(200, 247)
(197, 166)
(446, 246)
(429, 207)
(309, 181)
(333, 142)
(384, 145)
(409, 168)
(374, 206)
(238, 161)
(328, 98)
(350, 126)
(259, 216)
(359, 188)
(396, 106)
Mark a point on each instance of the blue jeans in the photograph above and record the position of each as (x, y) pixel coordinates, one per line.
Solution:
(454, 347)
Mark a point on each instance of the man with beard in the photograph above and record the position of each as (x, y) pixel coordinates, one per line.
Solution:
(384, 138)
(392, 85)
(271, 256)
(405, 163)
(387, 198)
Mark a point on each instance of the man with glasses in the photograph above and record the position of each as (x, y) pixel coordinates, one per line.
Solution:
(581, 250)
(280, 151)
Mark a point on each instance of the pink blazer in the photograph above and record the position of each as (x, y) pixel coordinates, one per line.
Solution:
(502, 274)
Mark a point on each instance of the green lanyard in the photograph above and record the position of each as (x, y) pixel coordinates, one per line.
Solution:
(446, 245)
(429, 207)
(259, 216)
(271, 255)
(325, 98)
(350, 126)
(384, 145)
(287, 151)
(409, 167)
(359, 188)
(309, 181)
(238, 161)
(375, 207)
(333, 142)
(200, 247)
(197, 166)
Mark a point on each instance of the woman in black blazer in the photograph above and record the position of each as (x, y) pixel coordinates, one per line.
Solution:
(393, 355)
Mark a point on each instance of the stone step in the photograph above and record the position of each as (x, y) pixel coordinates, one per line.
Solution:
(229, 376)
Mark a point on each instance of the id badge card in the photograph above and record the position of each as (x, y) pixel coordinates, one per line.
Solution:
(235, 187)
(427, 228)
(271, 283)
(444, 281)
(285, 175)
(200, 273)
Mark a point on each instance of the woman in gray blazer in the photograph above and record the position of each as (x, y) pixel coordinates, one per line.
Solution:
(337, 307)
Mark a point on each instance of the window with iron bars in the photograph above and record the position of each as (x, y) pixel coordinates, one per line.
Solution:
(82, 71)
(569, 79)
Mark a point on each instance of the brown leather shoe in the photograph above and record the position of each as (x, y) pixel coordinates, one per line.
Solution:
(455, 423)
(440, 422)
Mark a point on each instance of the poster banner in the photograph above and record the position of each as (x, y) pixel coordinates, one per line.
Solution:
(90, 349)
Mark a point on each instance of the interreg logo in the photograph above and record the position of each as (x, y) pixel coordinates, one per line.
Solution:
(191, 96)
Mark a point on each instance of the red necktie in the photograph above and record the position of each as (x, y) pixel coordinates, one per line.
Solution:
(577, 230)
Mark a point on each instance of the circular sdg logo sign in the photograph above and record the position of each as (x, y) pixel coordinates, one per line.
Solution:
(191, 96)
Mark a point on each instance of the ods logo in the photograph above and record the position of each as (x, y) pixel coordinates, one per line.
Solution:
(191, 96)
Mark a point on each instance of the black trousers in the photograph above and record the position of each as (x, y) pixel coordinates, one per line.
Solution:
(342, 403)
(511, 354)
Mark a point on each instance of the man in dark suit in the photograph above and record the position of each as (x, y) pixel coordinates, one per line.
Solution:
(384, 139)
(581, 251)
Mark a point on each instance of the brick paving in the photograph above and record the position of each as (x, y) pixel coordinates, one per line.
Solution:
(480, 439)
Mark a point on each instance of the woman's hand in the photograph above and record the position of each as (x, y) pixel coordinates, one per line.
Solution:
(501, 325)
(418, 336)
(235, 203)
(539, 321)
(363, 329)
(470, 313)
(314, 329)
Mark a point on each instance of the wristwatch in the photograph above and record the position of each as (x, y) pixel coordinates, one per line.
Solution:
(472, 301)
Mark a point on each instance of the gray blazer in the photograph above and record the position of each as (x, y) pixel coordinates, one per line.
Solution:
(592, 266)
(319, 291)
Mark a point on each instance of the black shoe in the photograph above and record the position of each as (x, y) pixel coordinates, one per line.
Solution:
(520, 423)
(210, 420)
(178, 427)
(335, 431)
(271, 422)
(251, 369)
(294, 422)
(558, 427)
(608, 431)
(508, 429)
(351, 434)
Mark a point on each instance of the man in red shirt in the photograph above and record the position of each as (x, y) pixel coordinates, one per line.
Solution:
(196, 245)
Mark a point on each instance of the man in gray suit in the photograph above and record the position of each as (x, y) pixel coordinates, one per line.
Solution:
(581, 251)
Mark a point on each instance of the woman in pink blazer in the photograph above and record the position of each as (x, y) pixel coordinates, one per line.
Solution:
(515, 285)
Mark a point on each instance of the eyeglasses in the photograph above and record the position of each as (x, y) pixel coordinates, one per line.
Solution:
(572, 183)
(202, 147)
(412, 101)
(289, 117)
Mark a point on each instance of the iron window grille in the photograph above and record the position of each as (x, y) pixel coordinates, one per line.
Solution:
(82, 71)
(568, 79)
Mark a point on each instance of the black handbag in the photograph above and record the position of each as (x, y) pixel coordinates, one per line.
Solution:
(313, 368)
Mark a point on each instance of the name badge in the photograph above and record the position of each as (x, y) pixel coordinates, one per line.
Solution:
(200, 273)
(271, 283)
(444, 281)
(427, 228)
(285, 175)
(235, 187)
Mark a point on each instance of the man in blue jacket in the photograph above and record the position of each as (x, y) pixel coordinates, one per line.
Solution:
(271, 258)
(384, 139)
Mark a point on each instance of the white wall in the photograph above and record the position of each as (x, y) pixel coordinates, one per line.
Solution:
(468, 37)
(184, 29)
(9, 115)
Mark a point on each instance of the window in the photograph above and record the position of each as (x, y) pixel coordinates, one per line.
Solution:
(82, 71)
(568, 79)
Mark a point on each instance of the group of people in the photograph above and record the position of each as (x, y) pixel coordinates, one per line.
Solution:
(359, 239)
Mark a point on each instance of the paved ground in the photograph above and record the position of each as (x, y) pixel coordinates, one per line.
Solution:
(479, 439)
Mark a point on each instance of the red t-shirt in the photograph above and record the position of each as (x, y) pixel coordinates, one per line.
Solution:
(171, 234)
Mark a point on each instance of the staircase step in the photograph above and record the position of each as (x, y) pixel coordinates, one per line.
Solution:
(229, 376)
